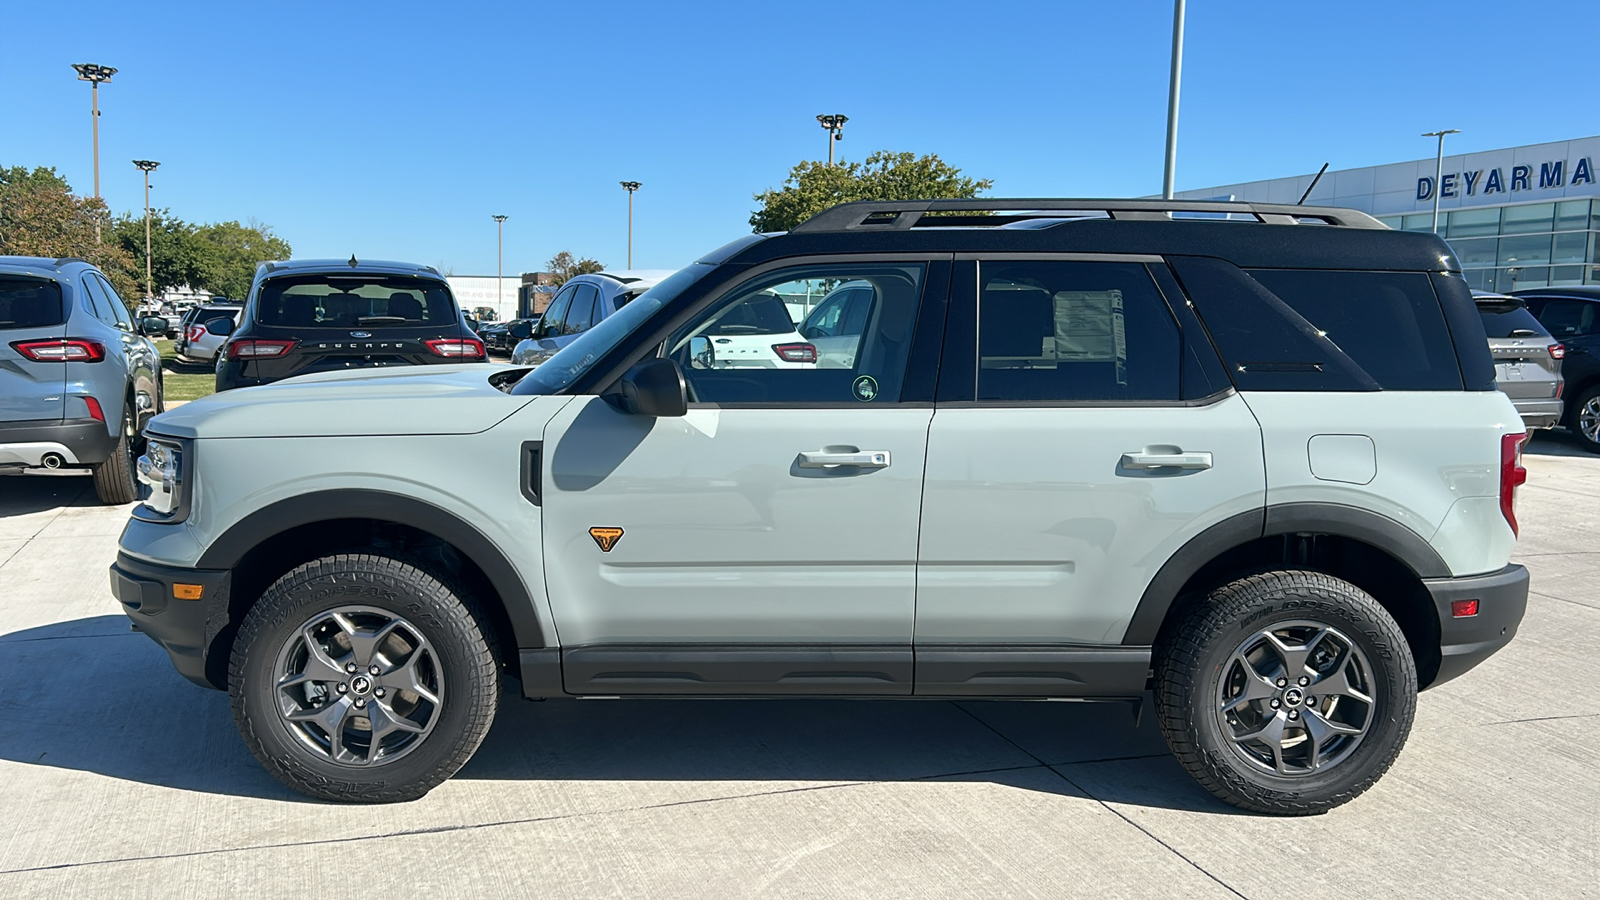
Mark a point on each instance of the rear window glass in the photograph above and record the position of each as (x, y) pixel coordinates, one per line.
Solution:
(30, 303)
(762, 314)
(1508, 318)
(1387, 323)
(355, 301)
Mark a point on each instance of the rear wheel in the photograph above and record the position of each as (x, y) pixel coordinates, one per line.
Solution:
(1286, 692)
(1585, 419)
(113, 479)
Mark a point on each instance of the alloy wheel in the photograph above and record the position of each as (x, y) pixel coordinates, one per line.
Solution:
(1589, 419)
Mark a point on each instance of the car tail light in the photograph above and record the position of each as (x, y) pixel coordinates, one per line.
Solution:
(61, 350)
(1463, 609)
(456, 348)
(1558, 351)
(259, 349)
(194, 333)
(95, 412)
(797, 353)
(1512, 474)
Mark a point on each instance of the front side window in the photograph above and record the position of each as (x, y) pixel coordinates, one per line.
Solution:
(30, 303)
(355, 301)
(556, 314)
(747, 348)
(581, 316)
(1074, 331)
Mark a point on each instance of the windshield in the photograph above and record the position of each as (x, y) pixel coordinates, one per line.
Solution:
(589, 347)
(348, 301)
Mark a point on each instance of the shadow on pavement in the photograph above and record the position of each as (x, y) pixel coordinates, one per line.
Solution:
(1555, 442)
(89, 695)
(24, 494)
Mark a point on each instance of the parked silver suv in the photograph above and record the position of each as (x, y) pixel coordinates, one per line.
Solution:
(1527, 360)
(1081, 450)
(77, 382)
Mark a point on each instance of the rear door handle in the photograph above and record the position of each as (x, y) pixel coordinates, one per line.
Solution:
(1144, 460)
(862, 459)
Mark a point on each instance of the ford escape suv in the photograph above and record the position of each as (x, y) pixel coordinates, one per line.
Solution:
(1080, 449)
(319, 315)
(77, 383)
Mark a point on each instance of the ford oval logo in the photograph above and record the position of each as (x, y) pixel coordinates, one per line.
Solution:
(361, 334)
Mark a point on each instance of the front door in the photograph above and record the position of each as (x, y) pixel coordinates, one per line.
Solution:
(766, 541)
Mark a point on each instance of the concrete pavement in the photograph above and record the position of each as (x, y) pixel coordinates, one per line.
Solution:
(121, 778)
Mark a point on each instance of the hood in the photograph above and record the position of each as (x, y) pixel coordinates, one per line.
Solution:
(447, 399)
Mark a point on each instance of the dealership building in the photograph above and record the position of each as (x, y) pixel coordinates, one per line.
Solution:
(1517, 218)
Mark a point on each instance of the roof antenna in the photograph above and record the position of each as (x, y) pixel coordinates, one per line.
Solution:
(353, 262)
(1303, 197)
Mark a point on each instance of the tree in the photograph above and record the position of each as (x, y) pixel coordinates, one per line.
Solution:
(40, 216)
(235, 251)
(813, 186)
(563, 266)
(179, 258)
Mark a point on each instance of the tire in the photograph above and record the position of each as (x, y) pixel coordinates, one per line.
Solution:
(1584, 419)
(1209, 706)
(114, 481)
(436, 683)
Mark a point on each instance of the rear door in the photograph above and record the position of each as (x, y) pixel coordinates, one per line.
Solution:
(31, 309)
(1080, 439)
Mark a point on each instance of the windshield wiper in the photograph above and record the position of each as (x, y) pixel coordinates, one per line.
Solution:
(381, 320)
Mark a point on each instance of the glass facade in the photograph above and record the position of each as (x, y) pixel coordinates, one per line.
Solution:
(1504, 248)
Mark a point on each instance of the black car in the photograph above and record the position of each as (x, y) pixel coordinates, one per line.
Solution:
(307, 316)
(1572, 314)
(498, 338)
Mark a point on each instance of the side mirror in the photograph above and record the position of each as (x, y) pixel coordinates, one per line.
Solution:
(702, 354)
(220, 327)
(520, 331)
(655, 388)
(152, 326)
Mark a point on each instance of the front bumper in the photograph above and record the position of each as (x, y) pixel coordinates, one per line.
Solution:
(1539, 413)
(81, 442)
(183, 628)
(1464, 642)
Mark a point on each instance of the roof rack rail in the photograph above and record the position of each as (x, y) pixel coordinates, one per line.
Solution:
(900, 215)
(63, 260)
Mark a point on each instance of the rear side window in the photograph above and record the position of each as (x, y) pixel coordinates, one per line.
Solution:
(764, 313)
(1388, 323)
(30, 303)
(1508, 319)
(1570, 318)
(355, 301)
(1074, 331)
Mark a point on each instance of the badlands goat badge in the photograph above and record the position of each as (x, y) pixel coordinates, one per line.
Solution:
(606, 537)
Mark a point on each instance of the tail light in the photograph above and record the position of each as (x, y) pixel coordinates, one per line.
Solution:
(61, 350)
(194, 333)
(796, 353)
(1558, 351)
(95, 412)
(456, 348)
(1512, 474)
(258, 349)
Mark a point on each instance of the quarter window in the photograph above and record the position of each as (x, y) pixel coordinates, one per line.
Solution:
(1074, 331)
(749, 347)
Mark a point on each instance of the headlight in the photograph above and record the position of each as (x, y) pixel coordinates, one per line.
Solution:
(161, 471)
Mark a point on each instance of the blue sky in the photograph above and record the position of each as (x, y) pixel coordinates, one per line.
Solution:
(397, 129)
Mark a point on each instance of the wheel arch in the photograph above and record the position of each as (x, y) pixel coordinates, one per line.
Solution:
(1376, 553)
(274, 539)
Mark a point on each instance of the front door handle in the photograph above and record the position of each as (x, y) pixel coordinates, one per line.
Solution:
(861, 459)
(1146, 460)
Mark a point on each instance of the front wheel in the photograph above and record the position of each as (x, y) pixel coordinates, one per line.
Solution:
(363, 678)
(1286, 692)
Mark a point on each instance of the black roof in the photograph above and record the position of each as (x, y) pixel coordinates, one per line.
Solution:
(1248, 235)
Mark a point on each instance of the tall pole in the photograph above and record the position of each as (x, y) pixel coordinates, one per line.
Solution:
(1438, 171)
(95, 74)
(1170, 174)
(147, 166)
(500, 264)
(834, 125)
(630, 187)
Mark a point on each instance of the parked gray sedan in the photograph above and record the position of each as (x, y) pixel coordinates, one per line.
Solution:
(1527, 359)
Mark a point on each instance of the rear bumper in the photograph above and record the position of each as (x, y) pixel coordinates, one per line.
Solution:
(1539, 413)
(80, 442)
(183, 628)
(1464, 642)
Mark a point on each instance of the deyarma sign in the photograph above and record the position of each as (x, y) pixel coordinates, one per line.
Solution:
(1512, 179)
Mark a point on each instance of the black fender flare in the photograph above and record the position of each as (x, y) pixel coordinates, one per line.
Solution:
(325, 506)
(1353, 522)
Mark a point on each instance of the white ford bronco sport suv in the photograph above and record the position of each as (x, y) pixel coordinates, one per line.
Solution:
(1254, 464)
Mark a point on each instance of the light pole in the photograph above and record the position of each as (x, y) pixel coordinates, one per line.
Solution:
(147, 166)
(95, 74)
(1438, 170)
(835, 127)
(500, 264)
(1169, 175)
(630, 187)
